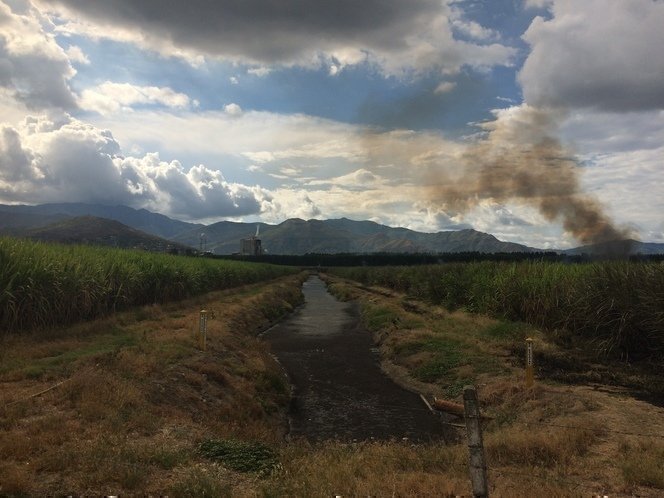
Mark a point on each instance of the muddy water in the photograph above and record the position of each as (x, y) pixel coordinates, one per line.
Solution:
(340, 391)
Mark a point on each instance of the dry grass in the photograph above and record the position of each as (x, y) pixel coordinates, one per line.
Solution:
(140, 399)
(369, 469)
(138, 396)
(643, 463)
(549, 440)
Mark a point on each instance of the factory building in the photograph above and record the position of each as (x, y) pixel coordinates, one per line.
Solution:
(251, 246)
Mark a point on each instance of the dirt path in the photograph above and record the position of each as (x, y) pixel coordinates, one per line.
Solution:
(340, 391)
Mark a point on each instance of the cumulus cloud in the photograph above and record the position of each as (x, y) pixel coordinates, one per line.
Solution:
(597, 53)
(282, 204)
(233, 109)
(64, 159)
(470, 28)
(360, 179)
(76, 54)
(445, 87)
(398, 37)
(34, 69)
(111, 97)
(260, 71)
(537, 4)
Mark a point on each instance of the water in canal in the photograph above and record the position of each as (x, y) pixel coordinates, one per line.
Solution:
(340, 392)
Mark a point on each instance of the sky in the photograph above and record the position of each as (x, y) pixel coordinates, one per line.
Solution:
(538, 121)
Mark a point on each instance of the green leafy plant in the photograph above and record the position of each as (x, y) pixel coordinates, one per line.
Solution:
(242, 456)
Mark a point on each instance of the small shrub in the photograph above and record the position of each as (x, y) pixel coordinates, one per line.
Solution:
(241, 456)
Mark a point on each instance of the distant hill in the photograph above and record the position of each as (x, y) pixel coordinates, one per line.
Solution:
(140, 219)
(14, 223)
(296, 236)
(618, 247)
(100, 231)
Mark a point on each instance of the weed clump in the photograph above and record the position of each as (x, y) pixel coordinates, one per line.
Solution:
(241, 456)
(642, 464)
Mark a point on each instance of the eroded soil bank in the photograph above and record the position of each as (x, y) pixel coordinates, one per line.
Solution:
(340, 391)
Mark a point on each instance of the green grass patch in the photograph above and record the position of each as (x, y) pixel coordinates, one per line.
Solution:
(506, 331)
(455, 388)
(441, 345)
(167, 458)
(379, 317)
(272, 382)
(441, 365)
(241, 456)
(486, 364)
(99, 346)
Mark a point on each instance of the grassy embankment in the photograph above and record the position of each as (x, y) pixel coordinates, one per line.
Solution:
(122, 404)
(618, 307)
(552, 440)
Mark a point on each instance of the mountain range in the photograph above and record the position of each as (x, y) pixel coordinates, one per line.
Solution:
(102, 231)
(127, 227)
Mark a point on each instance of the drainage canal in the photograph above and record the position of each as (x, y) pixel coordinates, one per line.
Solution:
(340, 392)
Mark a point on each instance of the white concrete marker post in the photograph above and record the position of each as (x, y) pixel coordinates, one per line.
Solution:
(202, 329)
(530, 375)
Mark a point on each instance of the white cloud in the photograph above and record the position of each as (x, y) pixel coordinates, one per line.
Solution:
(538, 4)
(281, 204)
(470, 28)
(445, 87)
(34, 69)
(110, 97)
(75, 54)
(233, 109)
(260, 71)
(596, 53)
(361, 179)
(67, 160)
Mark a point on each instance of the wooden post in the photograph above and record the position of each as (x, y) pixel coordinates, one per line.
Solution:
(202, 329)
(530, 375)
(477, 463)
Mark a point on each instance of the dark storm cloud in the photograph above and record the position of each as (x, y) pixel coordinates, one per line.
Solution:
(397, 36)
(265, 31)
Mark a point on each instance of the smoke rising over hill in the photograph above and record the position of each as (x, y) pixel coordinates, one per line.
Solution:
(519, 160)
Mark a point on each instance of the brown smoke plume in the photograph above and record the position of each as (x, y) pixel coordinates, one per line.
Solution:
(520, 161)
